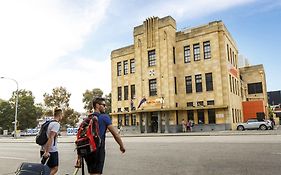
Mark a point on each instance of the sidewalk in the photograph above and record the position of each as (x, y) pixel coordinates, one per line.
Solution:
(71, 139)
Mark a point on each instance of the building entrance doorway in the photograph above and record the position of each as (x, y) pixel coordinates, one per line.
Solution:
(154, 122)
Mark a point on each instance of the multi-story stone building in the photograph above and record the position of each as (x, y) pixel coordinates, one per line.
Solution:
(167, 76)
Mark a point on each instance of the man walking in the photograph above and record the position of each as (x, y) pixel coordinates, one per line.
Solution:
(50, 148)
(95, 161)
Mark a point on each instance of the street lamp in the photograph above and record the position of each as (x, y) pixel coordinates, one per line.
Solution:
(16, 111)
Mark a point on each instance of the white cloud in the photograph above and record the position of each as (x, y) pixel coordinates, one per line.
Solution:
(36, 34)
(38, 40)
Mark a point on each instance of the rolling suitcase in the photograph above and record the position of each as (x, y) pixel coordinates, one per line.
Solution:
(27, 168)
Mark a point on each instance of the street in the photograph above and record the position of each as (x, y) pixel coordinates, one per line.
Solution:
(172, 155)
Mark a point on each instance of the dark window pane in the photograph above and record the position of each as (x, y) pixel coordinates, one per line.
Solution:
(186, 54)
(152, 87)
(196, 52)
(151, 58)
(212, 116)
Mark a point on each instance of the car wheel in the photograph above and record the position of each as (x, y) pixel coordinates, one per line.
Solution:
(240, 128)
(263, 127)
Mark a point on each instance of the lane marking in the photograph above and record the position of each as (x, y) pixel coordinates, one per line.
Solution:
(15, 158)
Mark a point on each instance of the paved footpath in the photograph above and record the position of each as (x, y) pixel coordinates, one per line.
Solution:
(71, 139)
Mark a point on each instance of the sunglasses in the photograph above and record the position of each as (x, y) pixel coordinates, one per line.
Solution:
(102, 104)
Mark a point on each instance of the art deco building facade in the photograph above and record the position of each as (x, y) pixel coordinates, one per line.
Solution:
(178, 75)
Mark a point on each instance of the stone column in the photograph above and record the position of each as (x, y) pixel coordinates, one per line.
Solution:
(146, 122)
(159, 122)
(140, 121)
(166, 122)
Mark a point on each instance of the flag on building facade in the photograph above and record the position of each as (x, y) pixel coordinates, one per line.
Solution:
(142, 101)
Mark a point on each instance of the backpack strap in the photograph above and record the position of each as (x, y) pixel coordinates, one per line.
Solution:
(48, 128)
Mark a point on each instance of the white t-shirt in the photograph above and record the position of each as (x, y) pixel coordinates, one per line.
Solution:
(55, 127)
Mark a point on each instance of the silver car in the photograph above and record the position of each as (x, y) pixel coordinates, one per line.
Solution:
(254, 124)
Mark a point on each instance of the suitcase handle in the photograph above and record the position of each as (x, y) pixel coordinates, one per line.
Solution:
(44, 160)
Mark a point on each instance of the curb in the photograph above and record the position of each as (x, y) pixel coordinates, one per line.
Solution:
(71, 139)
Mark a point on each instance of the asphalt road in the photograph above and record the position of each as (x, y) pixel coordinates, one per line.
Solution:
(171, 155)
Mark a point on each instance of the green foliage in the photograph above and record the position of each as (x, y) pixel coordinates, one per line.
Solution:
(60, 98)
(88, 96)
(108, 103)
(70, 117)
(28, 112)
(7, 115)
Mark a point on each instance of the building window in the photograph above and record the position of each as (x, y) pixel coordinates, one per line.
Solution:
(210, 102)
(207, 50)
(119, 110)
(119, 69)
(230, 83)
(126, 92)
(175, 81)
(127, 119)
(198, 81)
(188, 84)
(189, 104)
(201, 118)
(134, 120)
(133, 92)
(196, 52)
(152, 87)
(227, 50)
(200, 103)
(151, 58)
(186, 54)
(190, 115)
(209, 81)
(125, 63)
(212, 116)
(119, 120)
(132, 66)
(119, 91)
(254, 88)
(174, 55)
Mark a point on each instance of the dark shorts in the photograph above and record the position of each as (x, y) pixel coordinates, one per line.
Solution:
(53, 160)
(95, 161)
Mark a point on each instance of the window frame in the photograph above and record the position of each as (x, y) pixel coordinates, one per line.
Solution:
(132, 66)
(152, 87)
(151, 58)
(207, 49)
(119, 68)
(196, 52)
(198, 83)
(186, 54)
(126, 67)
(209, 81)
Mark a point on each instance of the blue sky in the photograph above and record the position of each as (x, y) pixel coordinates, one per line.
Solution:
(51, 43)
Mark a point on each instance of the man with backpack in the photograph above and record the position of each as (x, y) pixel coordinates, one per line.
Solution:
(95, 160)
(49, 150)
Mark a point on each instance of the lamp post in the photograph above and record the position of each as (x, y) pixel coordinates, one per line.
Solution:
(16, 111)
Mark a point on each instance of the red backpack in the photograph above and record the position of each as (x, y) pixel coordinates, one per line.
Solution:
(88, 138)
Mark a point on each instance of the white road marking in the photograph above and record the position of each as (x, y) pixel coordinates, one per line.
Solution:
(15, 158)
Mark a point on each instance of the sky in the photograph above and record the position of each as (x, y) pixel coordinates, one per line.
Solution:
(46, 44)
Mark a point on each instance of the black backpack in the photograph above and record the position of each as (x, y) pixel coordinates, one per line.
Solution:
(42, 138)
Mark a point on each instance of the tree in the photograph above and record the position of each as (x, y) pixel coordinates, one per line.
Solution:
(60, 98)
(28, 112)
(88, 96)
(70, 117)
(108, 103)
(6, 116)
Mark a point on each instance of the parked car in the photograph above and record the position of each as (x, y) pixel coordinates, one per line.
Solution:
(254, 124)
